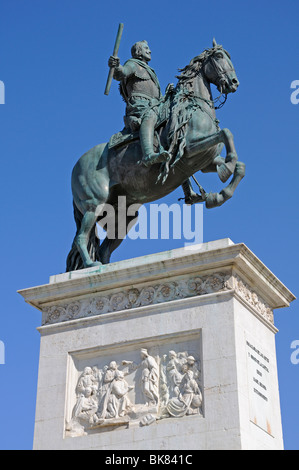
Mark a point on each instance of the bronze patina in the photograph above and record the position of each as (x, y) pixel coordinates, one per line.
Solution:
(166, 140)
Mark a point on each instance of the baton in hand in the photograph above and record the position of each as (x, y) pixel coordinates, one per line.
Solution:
(115, 52)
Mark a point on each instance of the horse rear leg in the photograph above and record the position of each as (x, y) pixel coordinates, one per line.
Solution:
(110, 244)
(82, 238)
(107, 247)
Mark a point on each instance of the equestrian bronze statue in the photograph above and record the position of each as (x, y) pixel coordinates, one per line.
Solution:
(165, 141)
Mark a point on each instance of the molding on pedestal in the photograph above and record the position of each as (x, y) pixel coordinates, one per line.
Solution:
(157, 294)
(196, 271)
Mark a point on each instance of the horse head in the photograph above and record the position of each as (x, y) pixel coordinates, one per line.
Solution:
(219, 70)
(215, 66)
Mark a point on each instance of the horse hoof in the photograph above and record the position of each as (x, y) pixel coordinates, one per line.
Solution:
(241, 169)
(94, 264)
(213, 200)
(224, 172)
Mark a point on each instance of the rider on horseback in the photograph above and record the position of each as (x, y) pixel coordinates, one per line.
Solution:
(140, 88)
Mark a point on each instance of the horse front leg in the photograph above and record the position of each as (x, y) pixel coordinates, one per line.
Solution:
(226, 167)
(217, 199)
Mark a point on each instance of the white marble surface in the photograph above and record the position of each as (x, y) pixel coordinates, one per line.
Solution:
(230, 308)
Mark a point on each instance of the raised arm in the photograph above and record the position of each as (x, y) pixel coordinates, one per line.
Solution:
(121, 71)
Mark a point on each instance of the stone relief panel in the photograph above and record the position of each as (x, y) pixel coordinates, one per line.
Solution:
(137, 388)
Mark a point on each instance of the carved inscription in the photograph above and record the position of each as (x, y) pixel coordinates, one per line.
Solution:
(259, 386)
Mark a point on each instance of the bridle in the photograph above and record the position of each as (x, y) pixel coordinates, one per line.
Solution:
(219, 72)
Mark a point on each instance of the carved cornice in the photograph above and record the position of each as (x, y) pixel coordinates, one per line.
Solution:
(157, 293)
(218, 256)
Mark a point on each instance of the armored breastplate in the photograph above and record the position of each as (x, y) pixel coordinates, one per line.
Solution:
(142, 82)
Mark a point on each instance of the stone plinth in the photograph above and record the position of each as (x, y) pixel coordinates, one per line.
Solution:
(175, 350)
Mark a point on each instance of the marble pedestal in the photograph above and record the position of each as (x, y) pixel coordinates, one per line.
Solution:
(170, 351)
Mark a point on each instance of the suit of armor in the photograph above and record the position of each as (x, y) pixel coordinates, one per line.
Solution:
(140, 88)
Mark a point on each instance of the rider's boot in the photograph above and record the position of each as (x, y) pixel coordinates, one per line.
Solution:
(191, 197)
(146, 134)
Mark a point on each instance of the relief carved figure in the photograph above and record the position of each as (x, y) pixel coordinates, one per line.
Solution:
(109, 375)
(189, 398)
(158, 387)
(102, 395)
(119, 404)
(88, 379)
(86, 406)
(84, 412)
(181, 376)
(150, 378)
(173, 373)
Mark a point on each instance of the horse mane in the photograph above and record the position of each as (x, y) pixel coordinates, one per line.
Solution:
(183, 104)
(195, 65)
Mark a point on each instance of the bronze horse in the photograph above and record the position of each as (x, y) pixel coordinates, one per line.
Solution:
(192, 136)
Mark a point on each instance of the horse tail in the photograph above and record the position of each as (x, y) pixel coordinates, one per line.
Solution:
(74, 260)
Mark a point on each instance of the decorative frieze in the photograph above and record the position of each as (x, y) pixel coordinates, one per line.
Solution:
(136, 297)
(155, 294)
(251, 297)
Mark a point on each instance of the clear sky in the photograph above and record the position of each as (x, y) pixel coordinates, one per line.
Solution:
(53, 63)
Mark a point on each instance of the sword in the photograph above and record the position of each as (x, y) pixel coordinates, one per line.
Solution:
(115, 52)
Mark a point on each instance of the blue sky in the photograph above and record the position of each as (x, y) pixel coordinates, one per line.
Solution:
(53, 60)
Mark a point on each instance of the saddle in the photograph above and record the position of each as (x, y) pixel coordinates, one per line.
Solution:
(126, 135)
(122, 137)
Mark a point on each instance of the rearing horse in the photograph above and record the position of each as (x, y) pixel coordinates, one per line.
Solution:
(193, 138)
